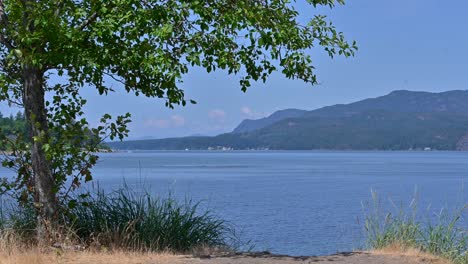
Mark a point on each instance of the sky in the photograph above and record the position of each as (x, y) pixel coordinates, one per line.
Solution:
(419, 45)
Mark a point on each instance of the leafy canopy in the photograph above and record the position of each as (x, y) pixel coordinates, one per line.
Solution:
(147, 46)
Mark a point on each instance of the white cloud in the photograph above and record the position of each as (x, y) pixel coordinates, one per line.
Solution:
(218, 115)
(178, 120)
(246, 110)
(173, 121)
(157, 123)
(249, 113)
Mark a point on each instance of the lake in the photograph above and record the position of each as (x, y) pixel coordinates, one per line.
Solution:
(297, 203)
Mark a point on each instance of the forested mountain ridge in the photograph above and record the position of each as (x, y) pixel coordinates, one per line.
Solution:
(249, 125)
(398, 101)
(401, 120)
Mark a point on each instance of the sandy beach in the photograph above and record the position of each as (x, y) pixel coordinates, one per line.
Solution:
(238, 258)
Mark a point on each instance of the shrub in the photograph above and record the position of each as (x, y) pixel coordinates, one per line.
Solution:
(125, 219)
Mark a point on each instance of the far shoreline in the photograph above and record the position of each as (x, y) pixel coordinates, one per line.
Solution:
(275, 151)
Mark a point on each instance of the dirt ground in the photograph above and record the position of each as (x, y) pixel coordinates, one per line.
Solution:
(250, 258)
(348, 258)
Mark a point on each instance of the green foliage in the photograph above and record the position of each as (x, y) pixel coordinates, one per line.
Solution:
(69, 144)
(12, 129)
(147, 47)
(12, 125)
(73, 145)
(445, 238)
(125, 219)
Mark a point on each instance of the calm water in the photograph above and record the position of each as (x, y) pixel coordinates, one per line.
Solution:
(298, 203)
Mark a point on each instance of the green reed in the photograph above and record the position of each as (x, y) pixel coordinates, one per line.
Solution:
(445, 237)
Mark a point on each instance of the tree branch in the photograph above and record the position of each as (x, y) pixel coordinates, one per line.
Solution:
(59, 8)
(3, 17)
(5, 42)
(16, 103)
(88, 20)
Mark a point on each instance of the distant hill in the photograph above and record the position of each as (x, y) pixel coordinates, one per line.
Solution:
(249, 125)
(402, 101)
(368, 130)
(401, 120)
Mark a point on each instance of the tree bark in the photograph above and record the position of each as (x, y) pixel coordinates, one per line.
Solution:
(44, 195)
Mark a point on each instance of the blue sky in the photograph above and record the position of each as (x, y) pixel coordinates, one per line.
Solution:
(403, 44)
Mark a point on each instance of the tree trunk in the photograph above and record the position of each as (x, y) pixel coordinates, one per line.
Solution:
(44, 195)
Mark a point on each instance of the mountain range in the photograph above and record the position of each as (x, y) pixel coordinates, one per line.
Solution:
(401, 120)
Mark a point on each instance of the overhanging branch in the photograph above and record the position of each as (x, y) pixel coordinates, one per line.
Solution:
(3, 17)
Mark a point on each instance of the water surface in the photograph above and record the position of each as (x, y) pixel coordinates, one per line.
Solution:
(299, 203)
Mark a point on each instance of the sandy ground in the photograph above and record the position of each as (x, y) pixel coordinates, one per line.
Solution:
(252, 258)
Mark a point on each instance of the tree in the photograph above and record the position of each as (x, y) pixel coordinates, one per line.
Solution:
(147, 46)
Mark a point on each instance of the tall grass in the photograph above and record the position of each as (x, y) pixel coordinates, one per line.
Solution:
(17, 223)
(125, 219)
(406, 229)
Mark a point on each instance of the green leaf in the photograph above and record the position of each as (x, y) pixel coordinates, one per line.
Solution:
(72, 204)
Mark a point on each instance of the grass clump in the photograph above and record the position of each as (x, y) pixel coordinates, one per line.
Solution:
(404, 229)
(127, 220)
(124, 219)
